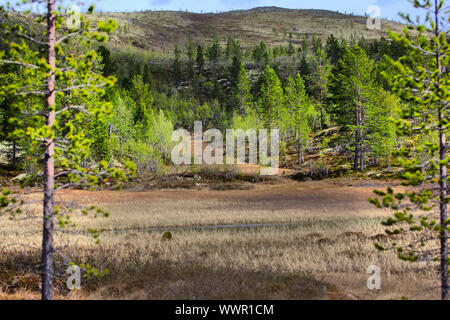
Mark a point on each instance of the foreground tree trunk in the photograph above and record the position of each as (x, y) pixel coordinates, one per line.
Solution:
(444, 215)
(49, 165)
(443, 182)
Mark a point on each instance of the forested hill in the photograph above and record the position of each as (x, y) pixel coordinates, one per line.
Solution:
(299, 71)
(162, 30)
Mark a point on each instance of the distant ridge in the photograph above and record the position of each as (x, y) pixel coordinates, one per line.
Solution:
(163, 30)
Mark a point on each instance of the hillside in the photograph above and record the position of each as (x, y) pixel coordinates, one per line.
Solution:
(162, 30)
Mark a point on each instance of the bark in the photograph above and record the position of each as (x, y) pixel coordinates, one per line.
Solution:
(49, 166)
(358, 140)
(444, 215)
(443, 182)
(356, 156)
(361, 150)
(300, 153)
(14, 154)
(322, 120)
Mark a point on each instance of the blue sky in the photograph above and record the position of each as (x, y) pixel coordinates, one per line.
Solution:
(389, 8)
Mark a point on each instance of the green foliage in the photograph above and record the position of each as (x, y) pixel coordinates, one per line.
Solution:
(55, 89)
(423, 85)
(160, 134)
(297, 112)
(271, 104)
(98, 132)
(242, 96)
(319, 81)
(200, 60)
(143, 101)
(249, 120)
(260, 53)
(361, 108)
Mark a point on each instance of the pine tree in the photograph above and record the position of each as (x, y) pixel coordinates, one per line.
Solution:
(354, 96)
(422, 82)
(64, 83)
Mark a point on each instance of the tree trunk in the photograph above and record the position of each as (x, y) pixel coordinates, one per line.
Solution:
(356, 156)
(322, 120)
(443, 179)
(14, 152)
(444, 215)
(359, 134)
(361, 160)
(49, 165)
(361, 150)
(357, 141)
(300, 153)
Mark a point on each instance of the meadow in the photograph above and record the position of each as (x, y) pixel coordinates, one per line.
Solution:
(280, 240)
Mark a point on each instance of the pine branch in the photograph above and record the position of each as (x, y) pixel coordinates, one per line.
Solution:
(23, 64)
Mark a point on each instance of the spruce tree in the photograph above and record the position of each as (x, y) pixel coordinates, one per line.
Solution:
(319, 82)
(147, 76)
(200, 60)
(270, 101)
(142, 96)
(242, 95)
(305, 71)
(333, 50)
(177, 70)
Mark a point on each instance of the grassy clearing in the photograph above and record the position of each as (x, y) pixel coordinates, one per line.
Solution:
(323, 255)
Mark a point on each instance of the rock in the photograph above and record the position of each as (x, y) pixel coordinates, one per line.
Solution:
(19, 177)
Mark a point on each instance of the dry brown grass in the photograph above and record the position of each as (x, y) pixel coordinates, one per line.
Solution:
(322, 254)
